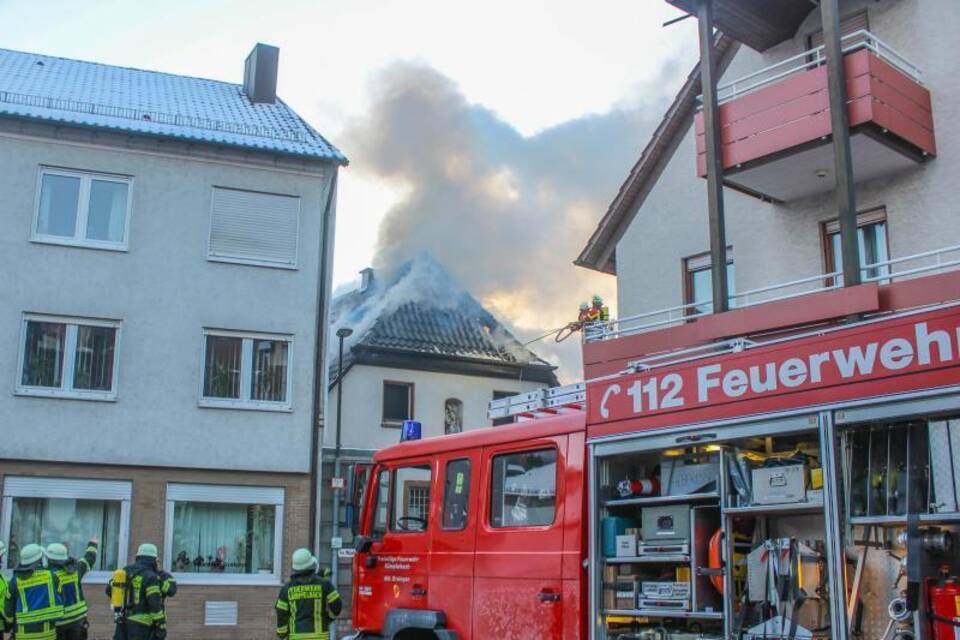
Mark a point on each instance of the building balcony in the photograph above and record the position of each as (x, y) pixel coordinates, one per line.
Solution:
(914, 281)
(775, 129)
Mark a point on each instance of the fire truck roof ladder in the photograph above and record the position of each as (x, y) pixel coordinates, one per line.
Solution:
(540, 403)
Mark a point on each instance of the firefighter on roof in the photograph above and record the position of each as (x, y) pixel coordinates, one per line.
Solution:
(137, 598)
(308, 603)
(70, 572)
(33, 603)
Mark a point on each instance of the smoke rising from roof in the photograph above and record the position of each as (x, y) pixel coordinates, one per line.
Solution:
(504, 213)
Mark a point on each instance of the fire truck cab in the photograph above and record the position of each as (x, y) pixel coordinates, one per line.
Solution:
(476, 535)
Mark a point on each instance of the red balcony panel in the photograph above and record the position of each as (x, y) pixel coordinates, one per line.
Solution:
(775, 139)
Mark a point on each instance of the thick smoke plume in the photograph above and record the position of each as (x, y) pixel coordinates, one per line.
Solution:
(504, 213)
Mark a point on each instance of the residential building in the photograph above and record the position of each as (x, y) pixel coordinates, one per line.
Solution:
(777, 157)
(421, 349)
(165, 243)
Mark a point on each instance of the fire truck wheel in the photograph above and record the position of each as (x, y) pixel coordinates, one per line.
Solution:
(415, 634)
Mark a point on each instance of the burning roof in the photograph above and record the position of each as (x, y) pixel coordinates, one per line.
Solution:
(420, 318)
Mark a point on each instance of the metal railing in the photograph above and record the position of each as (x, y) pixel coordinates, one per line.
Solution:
(155, 117)
(884, 271)
(811, 59)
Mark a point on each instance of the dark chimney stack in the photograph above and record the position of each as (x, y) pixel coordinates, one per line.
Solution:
(260, 74)
(366, 278)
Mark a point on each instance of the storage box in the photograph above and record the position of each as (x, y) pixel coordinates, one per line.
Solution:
(626, 546)
(668, 523)
(611, 527)
(666, 590)
(779, 485)
(684, 475)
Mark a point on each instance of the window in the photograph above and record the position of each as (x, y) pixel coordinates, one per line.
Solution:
(83, 209)
(456, 495)
(871, 240)
(397, 403)
(452, 416)
(254, 228)
(411, 500)
(218, 534)
(497, 395)
(381, 508)
(698, 282)
(69, 357)
(524, 490)
(47, 510)
(246, 371)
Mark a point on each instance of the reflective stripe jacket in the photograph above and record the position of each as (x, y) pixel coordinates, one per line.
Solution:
(144, 601)
(34, 604)
(4, 592)
(70, 575)
(306, 607)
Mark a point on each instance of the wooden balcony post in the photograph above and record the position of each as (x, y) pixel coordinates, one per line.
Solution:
(840, 124)
(711, 126)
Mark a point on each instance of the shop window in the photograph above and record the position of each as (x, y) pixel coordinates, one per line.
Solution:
(872, 244)
(72, 512)
(411, 500)
(698, 283)
(224, 534)
(524, 490)
(456, 495)
(397, 403)
(452, 416)
(497, 395)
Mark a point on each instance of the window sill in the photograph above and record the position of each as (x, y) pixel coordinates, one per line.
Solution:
(233, 579)
(252, 262)
(64, 395)
(81, 244)
(391, 425)
(206, 403)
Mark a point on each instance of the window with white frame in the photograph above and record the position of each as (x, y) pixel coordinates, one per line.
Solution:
(246, 370)
(70, 357)
(255, 228)
(73, 512)
(83, 209)
(224, 534)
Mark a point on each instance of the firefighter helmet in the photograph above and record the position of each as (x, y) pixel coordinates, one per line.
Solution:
(31, 554)
(303, 560)
(57, 552)
(147, 550)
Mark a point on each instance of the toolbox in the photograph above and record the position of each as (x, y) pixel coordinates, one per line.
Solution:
(666, 590)
(780, 484)
(685, 475)
(666, 524)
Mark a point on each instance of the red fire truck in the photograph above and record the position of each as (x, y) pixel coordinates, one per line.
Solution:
(789, 470)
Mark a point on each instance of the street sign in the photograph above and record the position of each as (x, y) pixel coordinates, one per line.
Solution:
(336, 483)
(336, 543)
(345, 553)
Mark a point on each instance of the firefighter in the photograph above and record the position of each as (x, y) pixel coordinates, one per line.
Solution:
(138, 599)
(4, 621)
(70, 572)
(598, 311)
(584, 315)
(308, 603)
(33, 603)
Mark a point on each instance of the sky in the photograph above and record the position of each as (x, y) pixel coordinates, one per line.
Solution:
(547, 102)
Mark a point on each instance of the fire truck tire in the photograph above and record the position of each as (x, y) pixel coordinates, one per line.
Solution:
(416, 624)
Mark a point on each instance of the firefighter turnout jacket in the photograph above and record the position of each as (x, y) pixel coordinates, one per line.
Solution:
(69, 575)
(142, 615)
(33, 603)
(306, 607)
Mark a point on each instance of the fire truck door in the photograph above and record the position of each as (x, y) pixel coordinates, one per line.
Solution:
(394, 573)
(518, 591)
(453, 538)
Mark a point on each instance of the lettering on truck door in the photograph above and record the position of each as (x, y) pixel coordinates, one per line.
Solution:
(518, 591)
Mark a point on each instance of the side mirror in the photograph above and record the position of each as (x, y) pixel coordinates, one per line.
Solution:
(362, 544)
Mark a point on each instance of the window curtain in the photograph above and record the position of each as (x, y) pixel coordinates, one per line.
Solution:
(93, 365)
(70, 522)
(223, 538)
(107, 212)
(59, 196)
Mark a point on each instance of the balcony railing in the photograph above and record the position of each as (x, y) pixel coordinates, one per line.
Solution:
(885, 271)
(811, 59)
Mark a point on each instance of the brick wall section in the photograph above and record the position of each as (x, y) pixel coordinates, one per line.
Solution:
(185, 612)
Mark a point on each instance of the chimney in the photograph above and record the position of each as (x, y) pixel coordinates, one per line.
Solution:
(366, 278)
(260, 74)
